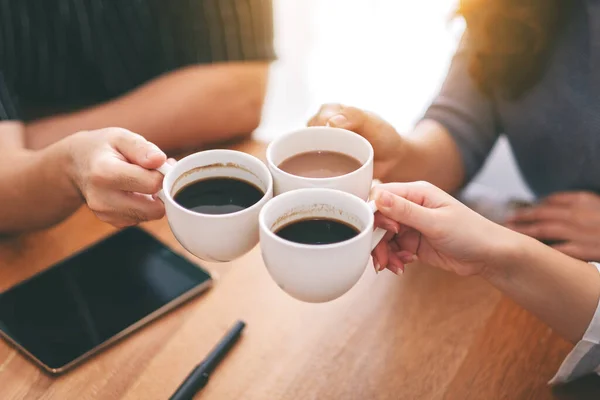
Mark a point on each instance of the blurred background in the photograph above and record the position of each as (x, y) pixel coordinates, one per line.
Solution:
(388, 56)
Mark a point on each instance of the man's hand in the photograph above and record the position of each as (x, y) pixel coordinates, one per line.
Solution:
(568, 221)
(386, 141)
(113, 169)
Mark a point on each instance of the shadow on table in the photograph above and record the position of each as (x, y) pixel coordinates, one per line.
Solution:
(582, 389)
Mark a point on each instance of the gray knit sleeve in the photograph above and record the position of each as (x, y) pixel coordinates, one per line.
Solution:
(466, 113)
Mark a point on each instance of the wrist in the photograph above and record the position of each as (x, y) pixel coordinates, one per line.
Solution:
(60, 156)
(510, 250)
(402, 150)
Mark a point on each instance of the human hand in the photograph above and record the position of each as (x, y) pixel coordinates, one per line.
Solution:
(567, 221)
(113, 169)
(434, 228)
(385, 140)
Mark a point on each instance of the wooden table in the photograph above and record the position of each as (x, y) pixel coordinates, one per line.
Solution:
(425, 335)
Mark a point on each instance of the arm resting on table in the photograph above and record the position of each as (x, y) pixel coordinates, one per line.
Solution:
(560, 290)
(35, 190)
(183, 109)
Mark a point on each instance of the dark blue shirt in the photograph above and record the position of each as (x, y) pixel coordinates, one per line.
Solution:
(71, 53)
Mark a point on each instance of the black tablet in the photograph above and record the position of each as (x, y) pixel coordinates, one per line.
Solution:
(72, 310)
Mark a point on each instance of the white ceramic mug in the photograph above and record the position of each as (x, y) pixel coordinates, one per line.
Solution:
(317, 273)
(212, 237)
(322, 138)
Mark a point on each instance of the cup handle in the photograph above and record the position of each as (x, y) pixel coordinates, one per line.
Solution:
(378, 233)
(163, 169)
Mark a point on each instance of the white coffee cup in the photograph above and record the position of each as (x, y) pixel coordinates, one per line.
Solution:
(322, 138)
(212, 237)
(317, 273)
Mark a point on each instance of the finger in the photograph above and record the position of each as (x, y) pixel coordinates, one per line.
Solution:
(171, 161)
(383, 222)
(384, 250)
(393, 246)
(381, 253)
(409, 241)
(546, 230)
(395, 264)
(117, 174)
(324, 114)
(403, 211)
(114, 221)
(568, 198)
(421, 193)
(541, 213)
(123, 206)
(388, 236)
(575, 250)
(375, 263)
(353, 119)
(138, 150)
(406, 257)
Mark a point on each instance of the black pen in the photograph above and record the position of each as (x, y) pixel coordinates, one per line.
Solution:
(198, 378)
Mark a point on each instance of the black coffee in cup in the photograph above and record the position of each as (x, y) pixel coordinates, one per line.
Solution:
(317, 231)
(218, 195)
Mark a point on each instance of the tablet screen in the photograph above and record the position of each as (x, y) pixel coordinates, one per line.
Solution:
(67, 311)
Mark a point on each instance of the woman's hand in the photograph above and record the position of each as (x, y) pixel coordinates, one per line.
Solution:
(434, 228)
(385, 140)
(113, 169)
(569, 222)
(440, 231)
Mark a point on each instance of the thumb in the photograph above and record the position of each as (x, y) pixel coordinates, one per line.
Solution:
(138, 150)
(403, 211)
(350, 118)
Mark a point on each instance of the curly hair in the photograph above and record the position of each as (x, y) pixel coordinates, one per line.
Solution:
(510, 41)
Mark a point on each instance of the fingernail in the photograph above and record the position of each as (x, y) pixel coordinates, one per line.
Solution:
(384, 199)
(153, 152)
(396, 269)
(408, 259)
(387, 226)
(376, 265)
(390, 227)
(338, 120)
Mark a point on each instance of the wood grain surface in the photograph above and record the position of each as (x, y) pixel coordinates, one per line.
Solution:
(425, 335)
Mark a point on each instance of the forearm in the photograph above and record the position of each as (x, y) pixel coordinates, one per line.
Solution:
(430, 154)
(561, 291)
(35, 191)
(183, 109)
